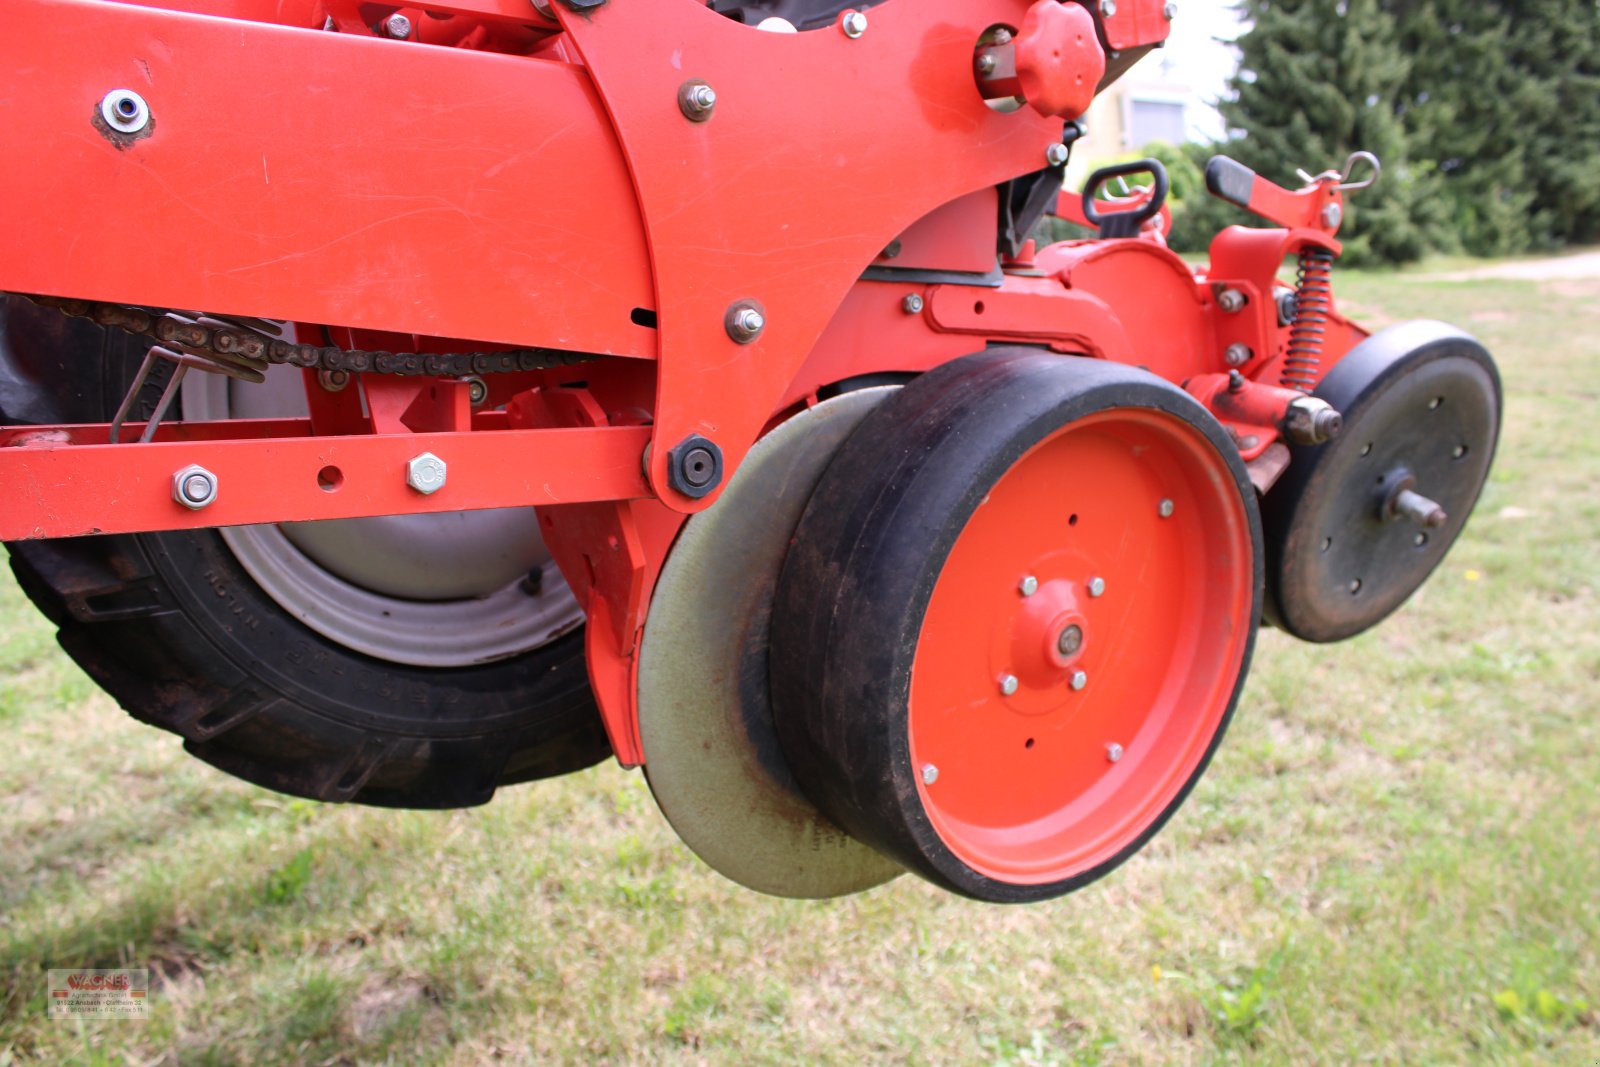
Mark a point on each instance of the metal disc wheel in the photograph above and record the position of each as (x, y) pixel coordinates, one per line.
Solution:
(1356, 525)
(1016, 618)
(705, 717)
(407, 662)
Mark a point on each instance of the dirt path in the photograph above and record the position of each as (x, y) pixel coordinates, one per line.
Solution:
(1581, 265)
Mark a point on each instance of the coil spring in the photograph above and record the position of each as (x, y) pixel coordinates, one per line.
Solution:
(1313, 302)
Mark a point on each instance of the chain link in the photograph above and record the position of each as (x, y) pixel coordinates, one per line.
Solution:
(244, 348)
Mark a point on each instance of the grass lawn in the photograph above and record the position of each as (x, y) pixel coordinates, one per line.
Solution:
(1395, 857)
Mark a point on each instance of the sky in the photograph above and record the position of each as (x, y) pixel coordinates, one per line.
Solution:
(1197, 56)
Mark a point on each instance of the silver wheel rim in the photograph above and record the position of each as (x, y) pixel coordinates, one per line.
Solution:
(467, 599)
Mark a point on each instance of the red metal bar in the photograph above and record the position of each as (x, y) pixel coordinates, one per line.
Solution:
(64, 481)
(819, 152)
(325, 177)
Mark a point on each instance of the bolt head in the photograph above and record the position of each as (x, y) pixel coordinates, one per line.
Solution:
(1097, 586)
(1230, 300)
(1169, 11)
(1028, 586)
(1113, 752)
(1079, 680)
(1108, 7)
(1008, 684)
(1070, 640)
(1056, 155)
(477, 391)
(854, 24)
(1237, 354)
(333, 380)
(912, 304)
(397, 26)
(986, 63)
(194, 487)
(1332, 215)
(425, 473)
(1164, 509)
(930, 774)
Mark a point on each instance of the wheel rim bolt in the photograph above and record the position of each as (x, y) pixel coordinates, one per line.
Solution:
(1113, 752)
(930, 774)
(854, 24)
(1029, 585)
(1097, 586)
(1165, 509)
(1079, 679)
(1008, 684)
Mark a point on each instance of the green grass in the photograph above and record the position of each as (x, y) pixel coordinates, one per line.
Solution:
(1394, 859)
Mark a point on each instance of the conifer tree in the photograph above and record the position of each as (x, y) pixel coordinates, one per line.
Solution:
(1319, 79)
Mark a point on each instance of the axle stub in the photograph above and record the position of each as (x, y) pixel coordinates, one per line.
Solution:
(1356, 525)
(902, 639)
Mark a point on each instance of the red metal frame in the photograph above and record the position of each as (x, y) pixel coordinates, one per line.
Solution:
(506, 179)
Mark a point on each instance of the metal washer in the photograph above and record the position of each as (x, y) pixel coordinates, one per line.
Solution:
(705, 717)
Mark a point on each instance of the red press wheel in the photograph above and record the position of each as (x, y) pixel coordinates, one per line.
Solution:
(1016, 619)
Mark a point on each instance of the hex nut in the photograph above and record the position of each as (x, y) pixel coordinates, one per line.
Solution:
(854, 24)
(694, 466)
(744, 321)
(912, 304)
(697, 100)
(1028, 586)
(1231, 301)
(1079, 679)
(125, 111)
(425, 473)
(1008, 684)
(194, 487)
(1097, 586)
(1237, 354)
(1057, 154)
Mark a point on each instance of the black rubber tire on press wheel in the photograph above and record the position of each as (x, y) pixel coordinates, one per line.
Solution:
(174, 628)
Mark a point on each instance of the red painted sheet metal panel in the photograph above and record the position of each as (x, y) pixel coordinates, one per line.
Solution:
(319, 176)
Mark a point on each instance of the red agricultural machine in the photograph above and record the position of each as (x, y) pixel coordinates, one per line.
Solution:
(401, 402)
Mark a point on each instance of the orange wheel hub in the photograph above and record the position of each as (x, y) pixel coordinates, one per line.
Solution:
(1124, 655)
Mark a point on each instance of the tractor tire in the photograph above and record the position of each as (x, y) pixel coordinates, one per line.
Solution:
(175, 628)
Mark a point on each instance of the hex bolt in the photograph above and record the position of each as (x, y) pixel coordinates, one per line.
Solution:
(1231, 300)
(912, 304)
(1056, 155)
(1311, 421)
(1108, 7)
(1008, 684)
(1070, 641)
(696, 99)
(1164, 509)
(986, 63)
(1332, 215)
(1169, 11)
(397, 26)
(744, 321)
(1028, 586)
(854, 24)
(1113, 752)
(125, 111)
(1079, 680)
(1237, 354)
(930, 774)
(1097, 586)
(477, 390)
(194, 487)
(425, 473)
